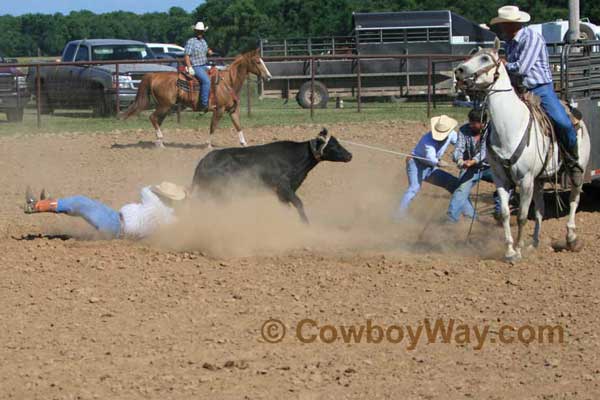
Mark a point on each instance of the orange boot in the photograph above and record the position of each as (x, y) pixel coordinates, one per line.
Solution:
(36, 206)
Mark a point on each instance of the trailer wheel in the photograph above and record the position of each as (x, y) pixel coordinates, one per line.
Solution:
(321, 95)
(397, 99)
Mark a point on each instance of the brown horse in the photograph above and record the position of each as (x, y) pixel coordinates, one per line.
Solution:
(224, 97)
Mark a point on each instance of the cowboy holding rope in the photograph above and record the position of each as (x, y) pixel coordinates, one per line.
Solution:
(470, 156)
(426, 163)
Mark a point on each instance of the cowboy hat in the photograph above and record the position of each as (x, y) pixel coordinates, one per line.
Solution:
(170, 191)
(442, 126)
(510, 14)
(200, 26)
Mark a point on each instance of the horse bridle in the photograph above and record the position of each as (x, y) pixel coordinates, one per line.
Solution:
(473, 77)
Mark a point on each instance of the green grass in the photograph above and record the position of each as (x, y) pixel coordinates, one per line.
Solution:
(267, 112)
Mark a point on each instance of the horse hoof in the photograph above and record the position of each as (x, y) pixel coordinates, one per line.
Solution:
(243, 144)
(159, 144)
(513, 259)
(574, 246)
(533, 246)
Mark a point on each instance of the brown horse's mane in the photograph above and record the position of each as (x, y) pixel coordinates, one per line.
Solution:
(233, 68)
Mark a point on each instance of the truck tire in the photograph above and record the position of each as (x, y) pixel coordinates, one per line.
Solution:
(321, 95)
(102, 107)
(15, 115)
(45, 107)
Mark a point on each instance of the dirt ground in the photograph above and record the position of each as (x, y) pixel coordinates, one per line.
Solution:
(180, 316)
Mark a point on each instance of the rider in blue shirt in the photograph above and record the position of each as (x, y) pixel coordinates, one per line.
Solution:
(527, 58)
(196, 53)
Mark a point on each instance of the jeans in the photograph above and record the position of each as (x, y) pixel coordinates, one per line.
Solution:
(100, 216)
(418, 172)
(555, 110)
(460, 202)
(202, 76)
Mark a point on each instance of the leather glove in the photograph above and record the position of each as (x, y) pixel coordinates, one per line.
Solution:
(442, 164)
(190, 71)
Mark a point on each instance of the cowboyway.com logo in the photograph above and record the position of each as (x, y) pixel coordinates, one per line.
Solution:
(426, 332)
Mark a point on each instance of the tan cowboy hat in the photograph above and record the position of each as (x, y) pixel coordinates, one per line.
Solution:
(442, 126)
(170, 191)
(510, 14)
(200, 26)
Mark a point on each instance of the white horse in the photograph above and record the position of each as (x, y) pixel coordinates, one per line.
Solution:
(518, 151)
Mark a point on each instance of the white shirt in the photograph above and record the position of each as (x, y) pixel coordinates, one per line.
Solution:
(143, 219)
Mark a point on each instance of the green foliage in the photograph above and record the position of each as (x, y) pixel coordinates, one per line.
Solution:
(235, 25)
(22, 36)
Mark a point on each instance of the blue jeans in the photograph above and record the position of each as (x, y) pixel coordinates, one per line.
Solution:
(418, 172)
(459, 202)
(555, 110)
(202, 76)
(100, 216)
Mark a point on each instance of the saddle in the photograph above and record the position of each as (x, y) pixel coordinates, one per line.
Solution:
(188, 88)
(546, 125)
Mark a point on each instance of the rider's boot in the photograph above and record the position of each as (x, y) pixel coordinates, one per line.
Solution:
(574, 169)
(203, 108)
(32, 205)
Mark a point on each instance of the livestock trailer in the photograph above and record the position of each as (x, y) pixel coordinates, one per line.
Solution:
(576, 73)
(412, 34)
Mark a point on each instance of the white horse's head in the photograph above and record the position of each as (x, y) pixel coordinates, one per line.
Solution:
(481, 70)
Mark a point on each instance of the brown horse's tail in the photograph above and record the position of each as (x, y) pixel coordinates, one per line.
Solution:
(142, 98)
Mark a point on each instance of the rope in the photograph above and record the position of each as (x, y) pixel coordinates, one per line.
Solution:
(481, 143)
(384, 150)
(474, 206)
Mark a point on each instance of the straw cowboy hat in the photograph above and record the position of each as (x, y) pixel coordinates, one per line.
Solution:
(200, 26)
(170, 191)
(442, 126)
(510, 14)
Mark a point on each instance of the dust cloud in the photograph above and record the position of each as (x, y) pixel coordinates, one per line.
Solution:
(355, 218)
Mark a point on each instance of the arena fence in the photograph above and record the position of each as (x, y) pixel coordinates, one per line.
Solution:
(74, 93)
(354, 98)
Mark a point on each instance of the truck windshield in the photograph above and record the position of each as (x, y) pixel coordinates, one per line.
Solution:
(121, 52)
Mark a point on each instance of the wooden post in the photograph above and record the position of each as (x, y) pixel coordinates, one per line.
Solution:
(248, 98)
(358, 87)
(433, 88)
(574, 31)
(38, 93)
(312, 87)
(118, 89)
(429, 87)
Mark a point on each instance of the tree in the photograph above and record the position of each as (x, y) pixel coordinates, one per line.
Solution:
(235, 25)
